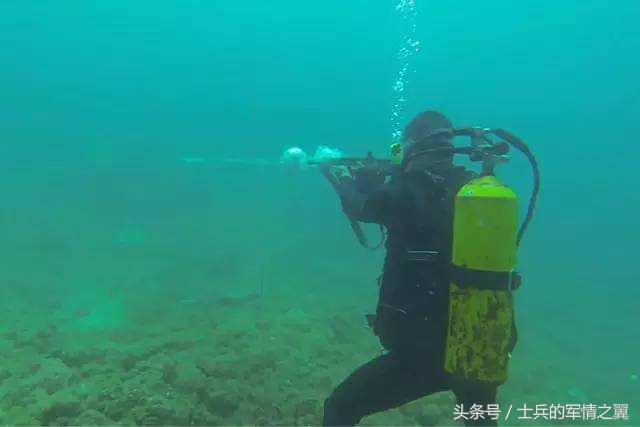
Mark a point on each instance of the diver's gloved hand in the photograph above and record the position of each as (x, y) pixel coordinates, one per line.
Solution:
(351, 197)
(366, 179)
(340, 178)
(343, 183)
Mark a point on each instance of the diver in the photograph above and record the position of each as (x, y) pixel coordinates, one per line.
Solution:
(415, 204)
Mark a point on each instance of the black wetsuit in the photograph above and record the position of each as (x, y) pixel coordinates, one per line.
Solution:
(412, 313)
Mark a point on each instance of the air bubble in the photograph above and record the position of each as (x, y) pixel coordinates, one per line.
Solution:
(408, 49)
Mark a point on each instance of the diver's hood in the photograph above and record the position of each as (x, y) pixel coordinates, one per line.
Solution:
(434, 136)
(433, 152)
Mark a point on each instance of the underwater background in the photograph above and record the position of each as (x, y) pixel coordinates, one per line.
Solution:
(159, 267)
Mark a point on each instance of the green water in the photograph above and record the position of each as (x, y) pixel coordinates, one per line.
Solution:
(145, 281)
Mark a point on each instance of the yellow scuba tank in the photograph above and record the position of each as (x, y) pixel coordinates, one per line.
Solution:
(481, 312)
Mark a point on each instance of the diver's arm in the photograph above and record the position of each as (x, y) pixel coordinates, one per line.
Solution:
(363, 204)
(363, 198)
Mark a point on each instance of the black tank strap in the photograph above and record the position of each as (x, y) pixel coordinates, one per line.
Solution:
(485, 280)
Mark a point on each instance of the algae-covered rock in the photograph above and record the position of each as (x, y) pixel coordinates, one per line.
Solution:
(308, 412)
(52, 375)
(169, 372)
(261, 362)
(163, 410)
(127, 360)
(341, 329)
(60, 409)
(264, 415)
(4, 374)
(117, 411)
(200, 416)
(188, 378)
(115, 404)
(222, 367)
(77, 357)
(19, 416)
(91, 417)
(218, 403)
(119, 400)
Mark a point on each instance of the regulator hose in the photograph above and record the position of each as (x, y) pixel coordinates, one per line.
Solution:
(533, 200)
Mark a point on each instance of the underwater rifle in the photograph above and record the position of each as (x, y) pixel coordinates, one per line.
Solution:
(482, 149)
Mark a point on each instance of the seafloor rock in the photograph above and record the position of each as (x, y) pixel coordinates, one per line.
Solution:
(307, 412)
(200, 416)
(19, 416)
(163, 410)
(128, 361)
(17, 397)
(222, 367)
(160, 363)
(91, 417)
(132, 357)
(260, 361)
(52, 375)
(60, 409)
(264, 416)
(188, 378)
(4, 374)
(44, 339)
(169, 371)
(117, 402)
(296, 321)
(341, 329)
(218, 403)
(75, 358)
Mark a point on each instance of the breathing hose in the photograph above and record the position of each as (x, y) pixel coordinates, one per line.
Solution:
(521, 146)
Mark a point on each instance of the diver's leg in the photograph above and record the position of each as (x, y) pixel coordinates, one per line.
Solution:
(474, 394)
(383, 383)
